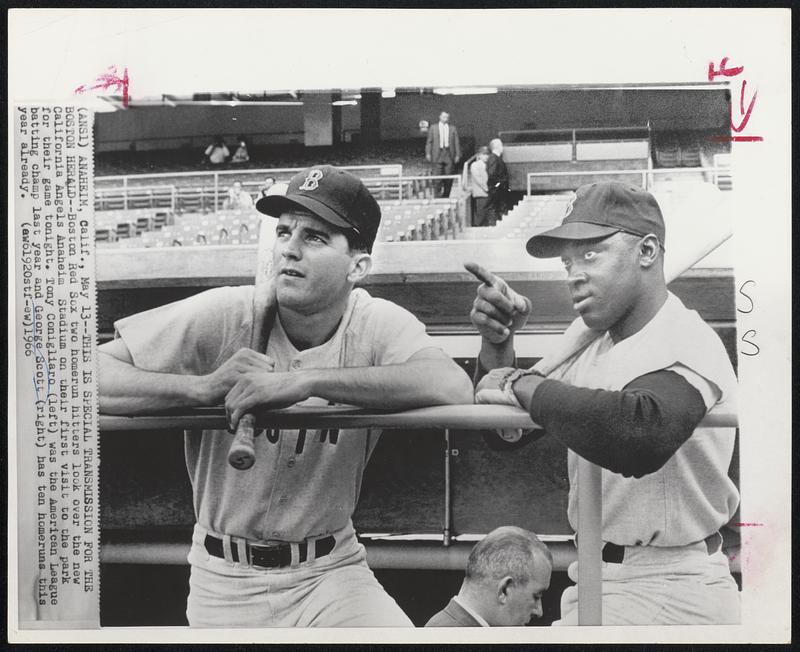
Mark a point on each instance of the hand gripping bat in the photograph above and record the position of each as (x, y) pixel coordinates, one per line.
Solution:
(242, 453)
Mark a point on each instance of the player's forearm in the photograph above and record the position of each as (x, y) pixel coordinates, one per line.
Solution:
(417, 383)
(125, 389)
(634, 431)
(494, 356)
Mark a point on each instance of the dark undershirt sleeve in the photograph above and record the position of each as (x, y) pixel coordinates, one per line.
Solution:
(633, 431)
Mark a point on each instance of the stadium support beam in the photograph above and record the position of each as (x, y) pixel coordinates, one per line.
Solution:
(370, 115)
(317, 119)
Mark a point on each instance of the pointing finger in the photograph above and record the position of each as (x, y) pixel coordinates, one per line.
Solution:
(482, 274)
(496, 298)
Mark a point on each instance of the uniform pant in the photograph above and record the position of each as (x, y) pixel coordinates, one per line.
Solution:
(337, 590)
(662, 586)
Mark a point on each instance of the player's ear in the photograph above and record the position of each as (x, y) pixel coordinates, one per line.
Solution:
(360, 266)
(649, 250)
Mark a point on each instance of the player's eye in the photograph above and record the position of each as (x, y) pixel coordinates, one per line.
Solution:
(589, 255)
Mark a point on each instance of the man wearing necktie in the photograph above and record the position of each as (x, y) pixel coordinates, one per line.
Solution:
(443, 152)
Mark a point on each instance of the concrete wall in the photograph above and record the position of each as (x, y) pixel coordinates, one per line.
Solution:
(477, 116)
(195, 126)
(483, 116)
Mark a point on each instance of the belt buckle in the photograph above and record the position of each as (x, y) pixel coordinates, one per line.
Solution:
(266, 555)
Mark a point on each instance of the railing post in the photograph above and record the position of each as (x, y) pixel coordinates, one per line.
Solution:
(400, 184)
(447, 496)
(590, 543)
(216, 191)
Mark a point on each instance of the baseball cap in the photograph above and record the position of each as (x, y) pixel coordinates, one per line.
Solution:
(598, 210)
(331, 194)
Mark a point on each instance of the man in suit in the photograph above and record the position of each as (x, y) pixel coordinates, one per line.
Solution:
(498, 181)
(507, 573)
(443, 152)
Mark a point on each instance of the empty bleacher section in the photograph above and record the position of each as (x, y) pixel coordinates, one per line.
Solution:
(406, 220)
(408, 152)
(551, 160)
(686, 149)
(434, 219)
(189, 208)
(533, 214)
(204, 192)
(552, 156)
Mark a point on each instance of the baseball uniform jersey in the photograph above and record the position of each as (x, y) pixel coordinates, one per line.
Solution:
(664, 516)
(305, 483)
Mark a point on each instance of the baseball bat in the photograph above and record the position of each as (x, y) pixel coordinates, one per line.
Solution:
(242, 453)
(699, 238)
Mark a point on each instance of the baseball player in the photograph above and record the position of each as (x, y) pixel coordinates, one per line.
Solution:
(275, 545)
(631, 403)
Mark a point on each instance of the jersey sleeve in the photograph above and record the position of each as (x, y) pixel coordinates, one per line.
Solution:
(394, 333)
(709, 391)
(633, 431)
(190, 336)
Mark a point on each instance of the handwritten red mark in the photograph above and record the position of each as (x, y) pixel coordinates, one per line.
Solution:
(747, 524)
(109, 79)
(736, 139)
(724, 71)
(747, 113)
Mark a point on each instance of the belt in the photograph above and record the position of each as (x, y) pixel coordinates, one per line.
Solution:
(614, 554)
(269, 556)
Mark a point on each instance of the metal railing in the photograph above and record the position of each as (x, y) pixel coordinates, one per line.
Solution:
(142, 193)
(510, 135)
(648, 175)
(130, 183)
(461, 417)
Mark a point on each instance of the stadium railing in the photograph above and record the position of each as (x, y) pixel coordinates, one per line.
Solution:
(150, 196)
(711, 174)
(462, 417)
(125, 186)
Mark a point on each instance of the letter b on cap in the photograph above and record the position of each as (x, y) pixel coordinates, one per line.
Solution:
(570, 204)
(312, 180)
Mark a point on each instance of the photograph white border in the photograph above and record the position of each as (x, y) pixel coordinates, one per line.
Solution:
(52, 51)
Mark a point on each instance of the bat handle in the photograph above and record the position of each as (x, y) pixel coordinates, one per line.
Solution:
(242, 453)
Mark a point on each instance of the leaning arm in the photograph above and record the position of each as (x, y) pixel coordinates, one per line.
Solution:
(126, 389)
(634, 431)
(428, 378)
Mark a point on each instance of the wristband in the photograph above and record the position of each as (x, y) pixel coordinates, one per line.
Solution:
(514, 376)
